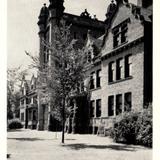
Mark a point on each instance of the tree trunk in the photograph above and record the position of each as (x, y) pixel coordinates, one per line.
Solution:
(63, 119)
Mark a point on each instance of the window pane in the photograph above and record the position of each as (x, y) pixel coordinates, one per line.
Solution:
(118, 104)
(98, 108)
(119, 68)
(128, 65)
(98, 79)
(92, 80)
(127, 102)
(110, 105)
(111, 72)
(92, 106)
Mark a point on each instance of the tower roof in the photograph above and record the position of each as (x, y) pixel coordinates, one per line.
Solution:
(43, 14)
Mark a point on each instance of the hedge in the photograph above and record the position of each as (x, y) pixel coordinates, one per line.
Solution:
(15, 124)
(133, 128)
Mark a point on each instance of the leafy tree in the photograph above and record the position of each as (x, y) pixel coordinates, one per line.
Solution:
(14, 78)
(62, 74)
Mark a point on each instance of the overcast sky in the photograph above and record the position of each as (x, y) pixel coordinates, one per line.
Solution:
(22, 24)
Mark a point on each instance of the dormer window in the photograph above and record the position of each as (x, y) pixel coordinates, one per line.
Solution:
(120, 33)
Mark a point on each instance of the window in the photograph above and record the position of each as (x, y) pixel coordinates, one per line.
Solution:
(118, 104)
(110, 105)
(111, 71)
(119, 67)
(34, 115)
(98, 108)
(98, 78)
(35, 100)
(22, 102)
(22, 117)
(120, 33)
(124, 32)
(127, 101)
(92, 107)
(128, 65)
(116, 37)
(92, 80)
(28, 100)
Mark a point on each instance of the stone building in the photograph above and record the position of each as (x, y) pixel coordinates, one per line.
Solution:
(28, 103)
(118, 64)
(121, 73)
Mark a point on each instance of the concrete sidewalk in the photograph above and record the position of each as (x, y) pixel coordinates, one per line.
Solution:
(43, 145)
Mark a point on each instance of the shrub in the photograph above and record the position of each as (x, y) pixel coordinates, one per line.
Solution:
(124, 129)
(15, 124)
(144, 129)
(133, 128)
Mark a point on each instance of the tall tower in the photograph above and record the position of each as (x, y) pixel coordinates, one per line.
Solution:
(56, 9)
(48, 23)
(42, 23)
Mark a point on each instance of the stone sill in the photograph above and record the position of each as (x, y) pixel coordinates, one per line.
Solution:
(121, 80)
(94, 89)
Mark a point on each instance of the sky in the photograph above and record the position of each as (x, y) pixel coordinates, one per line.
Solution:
(22, 28)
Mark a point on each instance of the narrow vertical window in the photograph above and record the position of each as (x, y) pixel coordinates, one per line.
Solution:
(124, 29)
(111, 72)
(34, 115)
(98, 78)
(119, 67)
(98, 108)
(128, 65)
(116, 37)
(92, 108)
(110, 105)
(92, 80)
(22, 117)
(127, 102)
(118, 104)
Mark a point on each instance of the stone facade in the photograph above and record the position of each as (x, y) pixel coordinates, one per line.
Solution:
(113, 61)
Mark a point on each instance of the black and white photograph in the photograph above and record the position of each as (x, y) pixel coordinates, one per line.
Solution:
(79, 79)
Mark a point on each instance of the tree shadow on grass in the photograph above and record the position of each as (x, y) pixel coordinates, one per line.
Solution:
(70, 139)
(15, 130)
(80, 146)
(26, 139)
